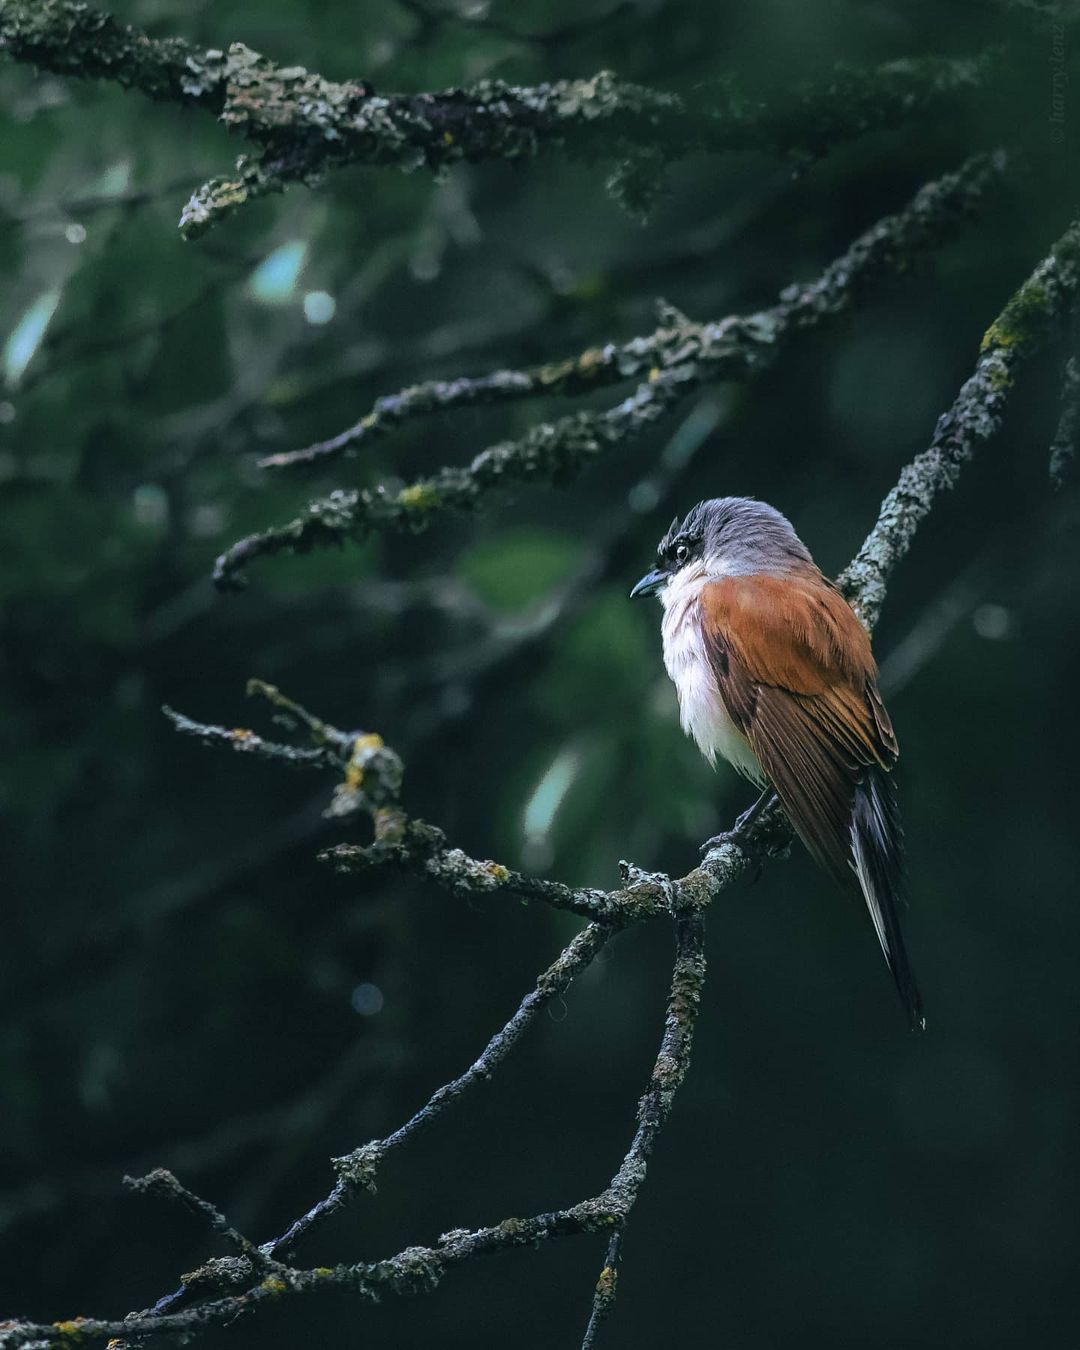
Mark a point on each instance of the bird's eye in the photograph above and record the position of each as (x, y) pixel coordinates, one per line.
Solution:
(682, 553)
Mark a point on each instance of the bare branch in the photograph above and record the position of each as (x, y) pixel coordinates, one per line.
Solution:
(675, 360)
(248, 742)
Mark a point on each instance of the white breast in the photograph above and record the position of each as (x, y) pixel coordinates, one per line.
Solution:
(701, 710)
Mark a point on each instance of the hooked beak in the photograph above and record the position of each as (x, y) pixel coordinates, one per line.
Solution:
(650, 583)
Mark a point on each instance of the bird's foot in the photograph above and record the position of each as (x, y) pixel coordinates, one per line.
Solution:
(718, 840)
(740, 832)
(756, 844)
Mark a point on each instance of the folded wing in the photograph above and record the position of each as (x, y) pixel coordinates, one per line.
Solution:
(795, 672)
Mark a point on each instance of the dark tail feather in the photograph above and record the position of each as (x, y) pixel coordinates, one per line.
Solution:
(878, 849)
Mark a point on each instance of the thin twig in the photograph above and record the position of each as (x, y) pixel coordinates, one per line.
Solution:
(607, 1286)
(358, 1169)
(668, 1072)
(162, 1182)
(419, 1269)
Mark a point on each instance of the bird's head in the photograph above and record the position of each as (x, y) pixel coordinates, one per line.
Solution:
(725, 537)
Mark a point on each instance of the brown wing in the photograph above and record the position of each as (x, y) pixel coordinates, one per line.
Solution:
(796, 674)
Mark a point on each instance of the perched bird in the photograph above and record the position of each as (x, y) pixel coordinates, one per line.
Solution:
(774, 672)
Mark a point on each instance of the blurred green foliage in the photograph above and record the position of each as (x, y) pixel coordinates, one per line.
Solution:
(518, 567)
(177, 970)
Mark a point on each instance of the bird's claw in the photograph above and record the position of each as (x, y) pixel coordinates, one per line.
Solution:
(756, 844)
(718, 840)
(740, 834)
(743, 839)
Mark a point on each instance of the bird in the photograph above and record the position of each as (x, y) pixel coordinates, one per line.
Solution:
(774, 672)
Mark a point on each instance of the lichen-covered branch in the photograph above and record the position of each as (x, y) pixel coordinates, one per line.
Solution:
(672, 362)
(1034, 316)
(234, 1286)
(161, 1182)
(372, 784)
(225, 1287)
(604, 1294)
(302, 124)
(745, 344)
(243, 1284)
(669, 1070)
(358, 1169)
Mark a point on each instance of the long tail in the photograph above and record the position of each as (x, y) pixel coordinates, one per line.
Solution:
(877, 844)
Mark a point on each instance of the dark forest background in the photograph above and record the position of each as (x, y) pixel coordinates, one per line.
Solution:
(183, 984)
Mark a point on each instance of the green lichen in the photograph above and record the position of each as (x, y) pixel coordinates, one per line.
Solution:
(358, 1168)
(586, 367)
(1023, 321)
(418, 497)
(391, 824)
(474, 875)
(999, 377)
(414, 1269)
(224, 193)
(608, 1282)
(71, 1330)
(363, 748)
(667, 1072)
